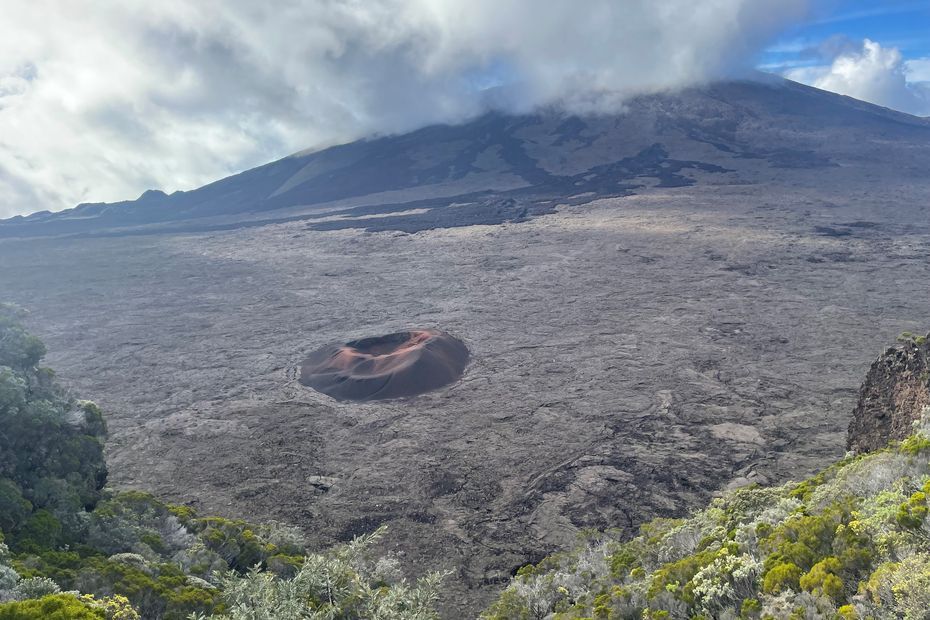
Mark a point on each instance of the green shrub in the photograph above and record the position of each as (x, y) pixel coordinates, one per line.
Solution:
(782, 577)
(675, 577)
(234, 541)
(823, 578)
(622, 562)
(509, 606)
(915, 445)
(52, 607)
(51, 454)
(14, 508)
(847, 612)
(911, 514)
(338, 584)
(750, 608)
(41, 531)
(21, 350)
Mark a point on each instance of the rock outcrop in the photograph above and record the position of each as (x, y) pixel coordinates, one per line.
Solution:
(894, 394)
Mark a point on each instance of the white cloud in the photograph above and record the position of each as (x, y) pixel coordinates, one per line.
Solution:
(917, 70)
(875, 74)
(100, 100)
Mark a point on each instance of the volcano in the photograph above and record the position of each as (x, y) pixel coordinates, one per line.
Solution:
(499, 168)
(385, 367)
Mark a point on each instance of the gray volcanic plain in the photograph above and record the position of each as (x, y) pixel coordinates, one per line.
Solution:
(659, 305)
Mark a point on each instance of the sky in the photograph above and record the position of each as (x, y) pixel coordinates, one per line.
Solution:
(875, 51)
(103, 99)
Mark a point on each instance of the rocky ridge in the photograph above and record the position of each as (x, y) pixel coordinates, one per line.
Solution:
(893, 395)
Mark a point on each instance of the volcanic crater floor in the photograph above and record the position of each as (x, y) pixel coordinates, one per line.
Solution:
(628, 358)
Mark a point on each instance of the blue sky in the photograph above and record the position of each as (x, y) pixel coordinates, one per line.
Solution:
(901, 24)
(875, 51)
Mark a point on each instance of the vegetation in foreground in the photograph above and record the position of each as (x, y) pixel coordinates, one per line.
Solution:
(851, 542)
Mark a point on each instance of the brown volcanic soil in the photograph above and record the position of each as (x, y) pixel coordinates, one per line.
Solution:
(383, 367)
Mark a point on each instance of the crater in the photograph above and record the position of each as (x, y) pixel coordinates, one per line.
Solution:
(397, 365)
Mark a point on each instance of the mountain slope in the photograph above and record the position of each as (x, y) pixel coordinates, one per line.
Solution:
(536, 160)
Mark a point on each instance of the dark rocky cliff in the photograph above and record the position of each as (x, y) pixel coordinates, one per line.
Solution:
(894, 394)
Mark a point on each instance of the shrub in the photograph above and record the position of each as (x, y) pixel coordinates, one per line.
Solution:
(21, 350)
(675, 577)
(14, 508)
(332, 585)
(41, 531)
(51, 455)
(910, 586)
(750, 608)
(782, 577)
(847, 612)
(823, 579)
(234, 541)
(725, 582)
(911, 514)
(35, 587)
(52, 607)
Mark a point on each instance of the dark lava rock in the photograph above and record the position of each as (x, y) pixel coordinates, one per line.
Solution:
(393, 366)
(894, 394)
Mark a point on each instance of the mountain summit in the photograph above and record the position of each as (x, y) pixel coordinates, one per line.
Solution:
(500, 168)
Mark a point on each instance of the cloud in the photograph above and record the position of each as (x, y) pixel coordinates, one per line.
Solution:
(872, 73)
(917, 70)
(101, 100)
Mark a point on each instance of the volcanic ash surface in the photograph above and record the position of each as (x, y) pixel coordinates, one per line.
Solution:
(394, 366)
